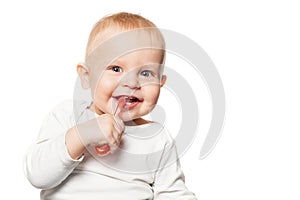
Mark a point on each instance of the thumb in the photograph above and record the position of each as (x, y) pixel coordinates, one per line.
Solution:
(120, 107)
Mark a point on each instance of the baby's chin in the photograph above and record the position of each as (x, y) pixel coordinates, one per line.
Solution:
(125, 116)
(136, 122)
(136, 116)
(132, 119)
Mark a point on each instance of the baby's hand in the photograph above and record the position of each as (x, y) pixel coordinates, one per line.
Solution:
(103, 150)
(105, 130)
(114, 138)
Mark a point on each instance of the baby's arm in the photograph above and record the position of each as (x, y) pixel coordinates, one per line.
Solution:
(47, 162)
(169, 180)
(59, 148)
(105, 129)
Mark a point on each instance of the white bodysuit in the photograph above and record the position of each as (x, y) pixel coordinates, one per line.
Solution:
(144, 167)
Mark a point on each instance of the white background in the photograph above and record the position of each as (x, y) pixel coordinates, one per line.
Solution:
(255, 46)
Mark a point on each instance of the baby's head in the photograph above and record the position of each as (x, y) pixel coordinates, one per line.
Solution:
(124, 62)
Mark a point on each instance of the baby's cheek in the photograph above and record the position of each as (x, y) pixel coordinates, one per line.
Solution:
(105, 87)
(103, 92)
(152, 94)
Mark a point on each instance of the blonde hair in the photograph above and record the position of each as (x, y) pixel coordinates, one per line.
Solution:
(116, 23)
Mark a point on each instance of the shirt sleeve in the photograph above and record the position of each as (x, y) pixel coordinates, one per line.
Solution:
(169, 179)
(47, 162)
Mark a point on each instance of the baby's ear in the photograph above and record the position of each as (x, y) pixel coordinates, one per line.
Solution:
(163, 80)
(83, 74)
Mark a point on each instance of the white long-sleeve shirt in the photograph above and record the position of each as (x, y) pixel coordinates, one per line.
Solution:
(144, 167)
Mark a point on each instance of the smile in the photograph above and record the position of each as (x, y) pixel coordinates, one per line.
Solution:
(130, 101)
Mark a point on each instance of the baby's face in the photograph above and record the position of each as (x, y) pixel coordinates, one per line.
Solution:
(135, 77)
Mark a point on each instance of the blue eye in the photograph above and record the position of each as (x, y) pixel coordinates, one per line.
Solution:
(146, 73)
(116, 69)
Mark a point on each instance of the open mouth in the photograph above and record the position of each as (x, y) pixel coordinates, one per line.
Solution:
(130, 101)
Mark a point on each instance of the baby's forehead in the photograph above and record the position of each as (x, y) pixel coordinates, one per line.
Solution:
(140, 58)
(108, 46)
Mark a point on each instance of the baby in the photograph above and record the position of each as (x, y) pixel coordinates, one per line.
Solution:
(103, 148)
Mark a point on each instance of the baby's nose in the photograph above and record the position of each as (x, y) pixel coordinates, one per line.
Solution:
(130, 80)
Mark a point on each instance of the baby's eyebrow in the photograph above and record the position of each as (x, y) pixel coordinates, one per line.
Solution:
(152, 65)
(116, 63)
